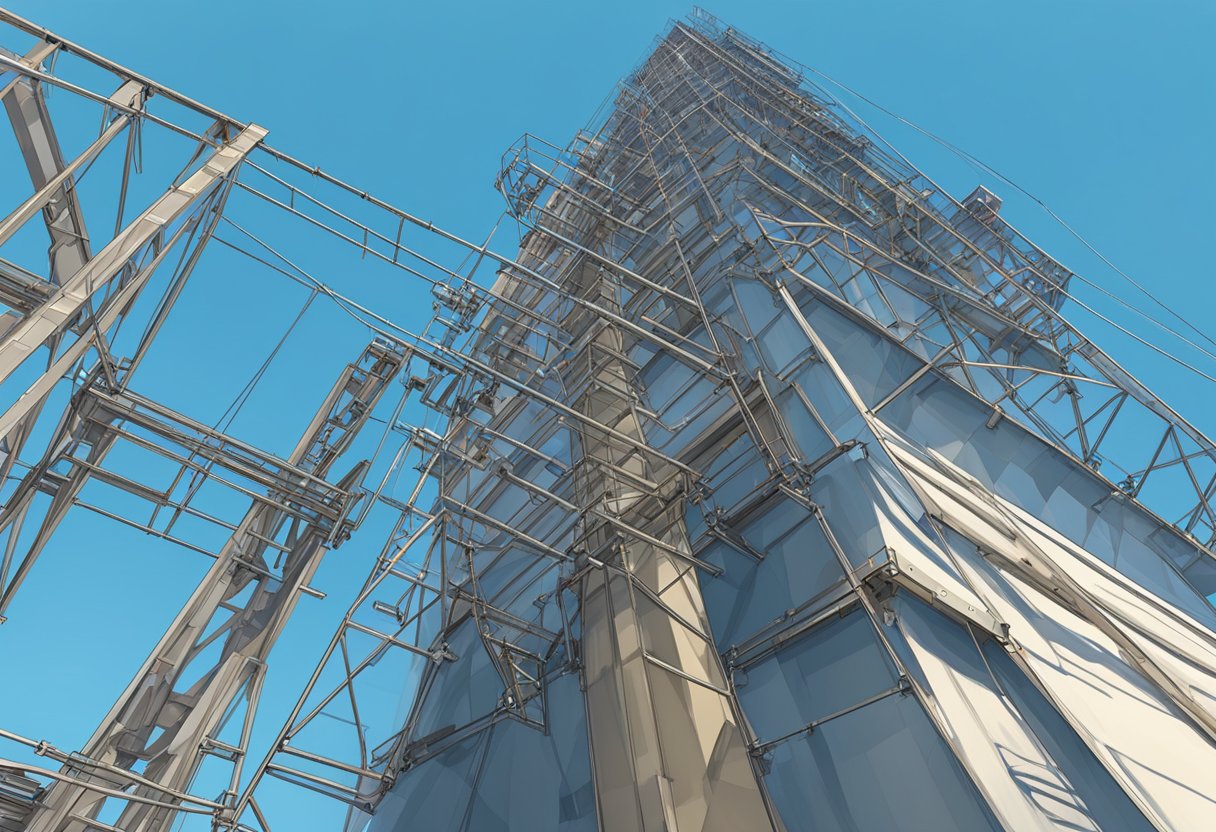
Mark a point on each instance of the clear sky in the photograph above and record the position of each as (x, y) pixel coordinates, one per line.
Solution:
(1101, 108)
(1094, 106)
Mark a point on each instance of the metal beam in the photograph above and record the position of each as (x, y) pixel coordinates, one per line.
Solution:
(63, 305)
(242, 601)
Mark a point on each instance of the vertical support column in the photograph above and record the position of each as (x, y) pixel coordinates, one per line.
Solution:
(26, 106)
(158, 720)
(48, 321)
(666, 744)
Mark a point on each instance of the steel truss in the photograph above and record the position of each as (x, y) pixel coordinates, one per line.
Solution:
(597, 433)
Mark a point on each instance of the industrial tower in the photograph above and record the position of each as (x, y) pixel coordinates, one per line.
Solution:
(765, 486)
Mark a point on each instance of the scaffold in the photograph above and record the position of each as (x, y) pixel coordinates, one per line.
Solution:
(762, 485)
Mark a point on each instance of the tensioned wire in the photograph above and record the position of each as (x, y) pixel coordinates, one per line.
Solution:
(983, 167)
(986, 168)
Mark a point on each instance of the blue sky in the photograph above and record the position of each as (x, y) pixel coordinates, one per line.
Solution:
(1095, 106)
(1101, 108)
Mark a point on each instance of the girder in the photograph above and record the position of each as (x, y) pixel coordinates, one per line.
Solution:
(98, 418)
(765, 486)
(164, 722)
(25, 103)
(59, 310)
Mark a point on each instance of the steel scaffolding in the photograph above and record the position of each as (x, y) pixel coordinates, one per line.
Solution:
(765, 486)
